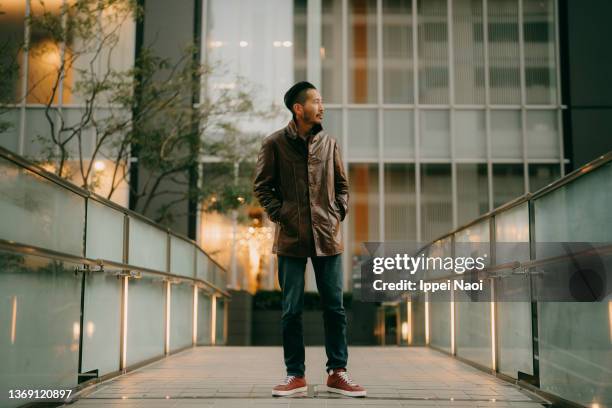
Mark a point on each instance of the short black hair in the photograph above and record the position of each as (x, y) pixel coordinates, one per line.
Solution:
(297, 94)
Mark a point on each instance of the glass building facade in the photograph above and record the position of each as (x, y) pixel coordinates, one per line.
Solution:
(445, 109)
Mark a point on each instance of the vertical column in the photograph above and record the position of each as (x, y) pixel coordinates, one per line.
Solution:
(213, 319)
(124, 295)
(313, 42)
(485, 39)
(417, 117)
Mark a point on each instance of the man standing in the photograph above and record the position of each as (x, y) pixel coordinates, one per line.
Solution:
(301, 183)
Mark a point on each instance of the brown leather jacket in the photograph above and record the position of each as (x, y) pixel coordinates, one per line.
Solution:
(304, 190)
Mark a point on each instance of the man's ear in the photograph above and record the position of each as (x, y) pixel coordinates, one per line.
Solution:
(297, 108)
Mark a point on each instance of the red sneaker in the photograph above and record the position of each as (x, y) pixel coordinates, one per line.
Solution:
(290, 385)
(339, 381)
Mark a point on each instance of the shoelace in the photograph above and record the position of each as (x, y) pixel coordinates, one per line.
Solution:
(288, 379)
(345, 377)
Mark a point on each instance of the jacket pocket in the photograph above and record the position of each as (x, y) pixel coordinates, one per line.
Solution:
(288, 219)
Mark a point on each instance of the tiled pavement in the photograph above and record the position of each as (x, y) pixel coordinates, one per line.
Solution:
(243, 377)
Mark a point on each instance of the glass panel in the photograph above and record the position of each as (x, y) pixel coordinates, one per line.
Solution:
(435, 134)
(400, 202)
(472, 191)
(204, 318)
(147, 245)
(504, 65)
(54, 216)
(363, 221)
(101, 323)
(540, 58)
(181, 316)
(508, 183)
(300, 65)
(541, 175)
(399, 133)
(40, 314)
(398, 66)
(362, 51)
(474, 326)
(333, 124)
(436, 200)
(440, 320)
(12, 21)
(575, 212)
(513, 317)
(433, 51)
(9, 126)
(145, 334)
(202, 265)
(542, 135)
(38, 145)
(506, 139)
(331, 51)
(104, 232)
(362, 133)
(468, 52)
(181, 257)
(470, 135)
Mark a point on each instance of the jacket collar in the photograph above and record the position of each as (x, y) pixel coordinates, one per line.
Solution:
(292, 132)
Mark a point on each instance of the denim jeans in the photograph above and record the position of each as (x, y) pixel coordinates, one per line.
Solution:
(328, 274)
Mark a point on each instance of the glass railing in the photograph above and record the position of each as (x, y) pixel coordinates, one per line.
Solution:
(90, 289)
(559, 347)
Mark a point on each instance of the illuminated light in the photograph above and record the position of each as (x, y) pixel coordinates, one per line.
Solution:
(277, 44)
(409, 307)
(244, 44)
(91, 328)
(493, 340)
(322, 52)
(99, 165)
(240, 200)
(124, 324)
(76, 330)
(168, 301)
(287, 44)
(194, 337)
(405, 331)
(123, 397)
(426, 318)
(48, 167)
(251, 230)
(213, 320)
(610, 318)
(216, 44)
(13, 319)
(167, 397)
(493, 400)
(452, 322)
(594, 405)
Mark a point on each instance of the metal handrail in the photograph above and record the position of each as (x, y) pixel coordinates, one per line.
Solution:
(88, 195)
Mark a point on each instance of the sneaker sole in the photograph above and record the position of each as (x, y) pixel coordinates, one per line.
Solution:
(347, 393)
(289, 392)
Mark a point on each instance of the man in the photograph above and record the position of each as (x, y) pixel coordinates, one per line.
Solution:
(301, 183)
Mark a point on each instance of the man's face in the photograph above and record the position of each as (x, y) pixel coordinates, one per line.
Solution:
(311, 113)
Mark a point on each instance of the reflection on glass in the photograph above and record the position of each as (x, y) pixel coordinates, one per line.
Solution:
(540, 58)
(504, 65)
(331, 51)
(468, 52)
(433, 51)
(541, 174)
(542, 134)
(398, 65)
(400, 202)
(435, 134)
(9, 128)
(508, 183)
(436, 200)
(362, 51)
(506, 139)
(333, 124)
(399, 133)
(472, 191)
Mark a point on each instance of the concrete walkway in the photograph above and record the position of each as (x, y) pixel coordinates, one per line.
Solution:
(244, 377)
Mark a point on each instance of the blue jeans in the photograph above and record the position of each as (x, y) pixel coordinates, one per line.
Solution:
(328, 274)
